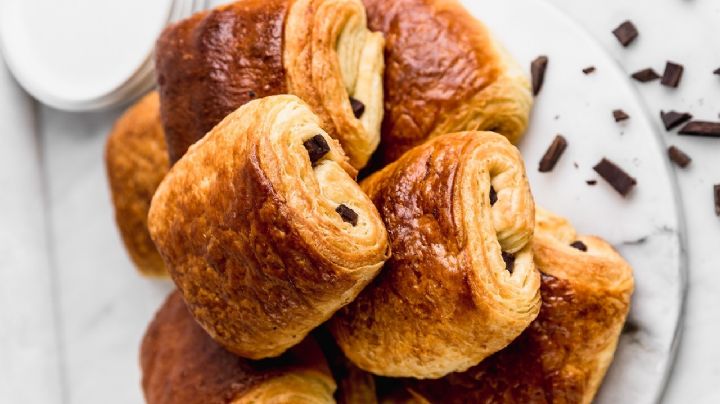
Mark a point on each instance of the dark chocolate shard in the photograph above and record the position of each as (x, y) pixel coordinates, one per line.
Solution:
(701, 128)
(672, 75)
(358, 107)
(553, 154)
(579, 245)
(673, 119)
(716, 189)
(678, 157)
(493, 196)
(589, 69)
(348, 215)
(645, 75)
(509, 261)
(620, 115)
(591, 182)
(615, 176)
(626, 33)
(537, 71)
(317, 147)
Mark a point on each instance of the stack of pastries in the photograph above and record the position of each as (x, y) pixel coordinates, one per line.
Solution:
(434, 279)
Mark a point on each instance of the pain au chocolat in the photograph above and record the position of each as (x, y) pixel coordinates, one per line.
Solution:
(136, 161)
(461, 283)
(182, 364)
(444, 73)
(319, 50)
(264, 229)
(564, 354)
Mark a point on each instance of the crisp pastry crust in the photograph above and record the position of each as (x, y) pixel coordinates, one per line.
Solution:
(136, 161)
(564, 354)
(444, 73)
(445, 300)
(182, 364)
(250, 229)
(319, 50)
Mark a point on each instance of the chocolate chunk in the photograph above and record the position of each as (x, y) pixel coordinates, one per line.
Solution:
(672, 75)
(348, 215)
(701, 128)
(251, 94)
(591, 182)
(717, 71)
(615, 176)
(673, 119)
(645, 75)
(537, 70)
(589, 69)
(358, 107)
(717, 199)
(493, 196)
(620, 115)
(678, 157)
(579, 245)
(626, 33)
(509, 261)
(316, 147)
(553, 154)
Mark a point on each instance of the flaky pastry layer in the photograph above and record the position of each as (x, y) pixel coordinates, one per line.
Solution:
(447, 298)
(444, 73)
(319, 50)
(252, 233)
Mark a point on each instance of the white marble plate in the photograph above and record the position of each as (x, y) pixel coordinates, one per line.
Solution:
(89, 352)
(646, 227)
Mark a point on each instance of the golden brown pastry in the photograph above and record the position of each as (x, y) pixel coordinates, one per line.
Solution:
(263, 228)
(182, 364)
(136, 161)
(461, 283)
(564, 354)
(319, 50)
(444, 73)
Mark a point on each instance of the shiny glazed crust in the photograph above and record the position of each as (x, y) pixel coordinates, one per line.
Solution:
(136, 161)
(564, 354)
(444, 73)
(182, 364)
(250, 233)
(444, 301)
(319, 50)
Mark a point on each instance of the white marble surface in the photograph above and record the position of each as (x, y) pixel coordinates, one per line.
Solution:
(96, 364)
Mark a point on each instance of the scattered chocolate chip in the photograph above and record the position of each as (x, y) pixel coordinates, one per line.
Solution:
(717, 199)
(673, 119)
(717, 71)
(672, 75)
(348, 215)
(358, 107)
(589, 69)
(553, 154)
(626, 33)
(537, 71)
(615, 176)
(645, 75)
(251, 94)
(579, 245)
(493, 196)
(620, 115)
(591, 182)
(679, 157)
(701, 128)
(316, 147)
(630, 327)
(509, 261)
